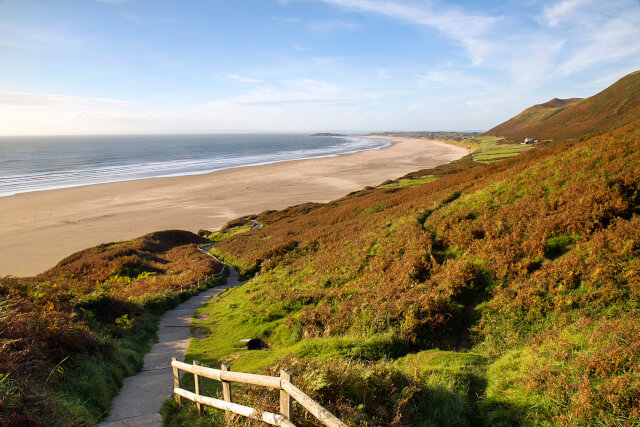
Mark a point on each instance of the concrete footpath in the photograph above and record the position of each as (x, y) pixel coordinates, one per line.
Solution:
(142, 395)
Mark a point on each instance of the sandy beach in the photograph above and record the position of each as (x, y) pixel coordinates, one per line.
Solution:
(38, 229)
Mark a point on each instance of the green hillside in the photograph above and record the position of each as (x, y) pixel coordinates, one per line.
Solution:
(562, 119)
(541, 112)
(505, 294)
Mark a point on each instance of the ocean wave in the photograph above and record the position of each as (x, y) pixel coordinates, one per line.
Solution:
(15, 183)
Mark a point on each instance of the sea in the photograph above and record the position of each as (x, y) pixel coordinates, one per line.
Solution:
(37, 163)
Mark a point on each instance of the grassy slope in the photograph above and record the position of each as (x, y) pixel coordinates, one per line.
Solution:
(573, 118)
(68, 336)
(501, 294)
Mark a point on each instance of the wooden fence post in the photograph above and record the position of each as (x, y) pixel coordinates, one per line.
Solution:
(289, 392)
(285, 399)
(176, 380)
(226, 386)
(197, 382)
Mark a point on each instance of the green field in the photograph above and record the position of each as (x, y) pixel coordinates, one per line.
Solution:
(490, 151)
(409, 183)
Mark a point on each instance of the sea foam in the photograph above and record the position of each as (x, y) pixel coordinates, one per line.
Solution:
(45, 163)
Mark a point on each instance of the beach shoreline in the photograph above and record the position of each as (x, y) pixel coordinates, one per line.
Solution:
(40, 228)
(55, 176)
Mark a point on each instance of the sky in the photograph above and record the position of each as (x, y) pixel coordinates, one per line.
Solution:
(159, 66)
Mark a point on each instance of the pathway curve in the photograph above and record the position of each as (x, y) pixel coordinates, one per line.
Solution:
(142, 395)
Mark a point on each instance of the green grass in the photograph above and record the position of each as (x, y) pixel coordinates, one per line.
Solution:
(490, 151)
(455, 388)
(106, 246)
(454, 384)
(507, 398)
(558, 245)
(459, 378)
(186, 415)
(410, 183)
(244, 268)
(378, 207)
(93, 382)
(226, 320)
(223, 234)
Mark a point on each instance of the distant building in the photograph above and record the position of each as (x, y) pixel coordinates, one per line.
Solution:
(529, 141)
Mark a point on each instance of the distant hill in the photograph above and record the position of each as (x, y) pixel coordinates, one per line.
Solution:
(563, 119)
(433, 135)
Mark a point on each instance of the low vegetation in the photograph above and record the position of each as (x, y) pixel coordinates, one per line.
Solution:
(498, 294)
(69, 336)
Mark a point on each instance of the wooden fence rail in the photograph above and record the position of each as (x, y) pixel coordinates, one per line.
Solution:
(202, 280)
(198, 282)
(282, 383)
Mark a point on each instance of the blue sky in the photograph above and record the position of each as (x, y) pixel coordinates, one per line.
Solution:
(113, 66)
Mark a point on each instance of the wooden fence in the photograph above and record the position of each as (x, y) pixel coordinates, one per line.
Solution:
(202, 280)
(196, 283)
(224, 375)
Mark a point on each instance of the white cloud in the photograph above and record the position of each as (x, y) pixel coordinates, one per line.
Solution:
(299, 47)
(298, 104)
(324, 60)
(383, 73)
(330, 26)
(132, 18)
(294, 91)
(616, 39)
(533, 62)
(454, 82)
(561, 11)
(293, 104)
(507, 63)
(137, 19)
(441, 77)
(286, 20)
(493, 102)
(573, 35)
(243, 79)
(32, 113)
(21, 36)
(38, 99)
(609, 79)
(596, 32)
(465, 28)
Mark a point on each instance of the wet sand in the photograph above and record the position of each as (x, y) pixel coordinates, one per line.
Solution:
(38, 229)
